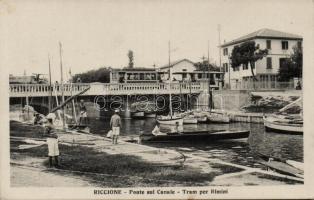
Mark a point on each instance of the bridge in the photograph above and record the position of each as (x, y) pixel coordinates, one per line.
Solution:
(96, 89)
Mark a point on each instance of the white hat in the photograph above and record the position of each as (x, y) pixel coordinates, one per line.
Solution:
(51, 116)
(116, 110)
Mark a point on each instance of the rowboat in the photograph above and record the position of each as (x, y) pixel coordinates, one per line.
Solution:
(281, 125)
(201, 119)
(218, 118)
(138, 115)
(170, 120)
(287, 167)
(189, 120)
(150, 115)
(195, 136)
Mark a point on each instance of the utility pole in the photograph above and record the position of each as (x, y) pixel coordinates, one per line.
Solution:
(219, 29)
(62, 88)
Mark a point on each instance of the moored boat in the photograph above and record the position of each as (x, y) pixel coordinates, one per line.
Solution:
(196, 136)
(287, 167)
(189, 120)
(150, 115)
(281, 125)
(138, 115)
(218, 118)
(170, 120)
(202, 119)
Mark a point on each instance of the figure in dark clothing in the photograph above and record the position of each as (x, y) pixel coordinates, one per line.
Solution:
(83, 113)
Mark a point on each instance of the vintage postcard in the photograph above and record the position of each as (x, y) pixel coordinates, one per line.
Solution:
(205, 99)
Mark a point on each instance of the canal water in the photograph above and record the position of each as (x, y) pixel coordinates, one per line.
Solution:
(243, 151)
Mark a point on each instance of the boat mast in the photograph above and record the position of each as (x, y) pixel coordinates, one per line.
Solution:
(50, 87)
(62, 88)
(210, 103)
(170, 102)
(73, 103)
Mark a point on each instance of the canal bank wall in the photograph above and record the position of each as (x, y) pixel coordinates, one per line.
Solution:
(235, 100)
(239, 116)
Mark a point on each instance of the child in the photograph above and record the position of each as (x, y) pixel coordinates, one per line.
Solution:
(52, 141)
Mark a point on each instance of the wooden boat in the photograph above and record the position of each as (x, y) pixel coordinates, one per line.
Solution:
(195, 136)
(189, 120)
(77, 126)
(201, 119)
(281, 125)
(218, 118)
(283, 168)
(150, 115)
(138, 115)
(170, 120)
(287, 167)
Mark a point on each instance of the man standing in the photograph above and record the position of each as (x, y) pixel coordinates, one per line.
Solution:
(115, 124)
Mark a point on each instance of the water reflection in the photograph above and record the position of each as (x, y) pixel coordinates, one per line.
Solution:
(240, 151)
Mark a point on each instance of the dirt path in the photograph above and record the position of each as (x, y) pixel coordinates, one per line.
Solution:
(23, 176)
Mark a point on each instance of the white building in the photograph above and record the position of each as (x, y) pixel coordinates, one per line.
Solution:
(280, 47)
(185, 70)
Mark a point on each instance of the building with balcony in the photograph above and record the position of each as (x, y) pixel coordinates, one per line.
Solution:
(280, 47)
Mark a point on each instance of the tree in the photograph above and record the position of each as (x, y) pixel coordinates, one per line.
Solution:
(247, 53)
(203, 66)
(293, 66)
(100, 75)
(131, 58)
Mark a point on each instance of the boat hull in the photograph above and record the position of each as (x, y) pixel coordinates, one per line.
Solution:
(271, 125)
(150, 115)
(189, 121)
(172, 121)
(200, 136)
(217, 118)
(138, 115)
(202, 119)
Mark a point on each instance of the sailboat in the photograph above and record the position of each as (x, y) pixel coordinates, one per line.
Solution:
(170, 119)
(284, 123)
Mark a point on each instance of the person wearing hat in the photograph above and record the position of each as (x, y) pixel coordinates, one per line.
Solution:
(115, 124)
(52, 140)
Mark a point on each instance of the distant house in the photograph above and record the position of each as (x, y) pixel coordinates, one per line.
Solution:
(186, 70)
(280, 47)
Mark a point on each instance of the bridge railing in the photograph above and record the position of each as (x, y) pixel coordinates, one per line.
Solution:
(22, 90)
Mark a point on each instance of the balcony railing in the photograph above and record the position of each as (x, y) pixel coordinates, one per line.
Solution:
(22, 90)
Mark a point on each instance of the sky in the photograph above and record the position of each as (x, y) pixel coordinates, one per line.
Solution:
(100, 33)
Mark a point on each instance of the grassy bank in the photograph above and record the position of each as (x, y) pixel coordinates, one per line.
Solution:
(109, 170)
